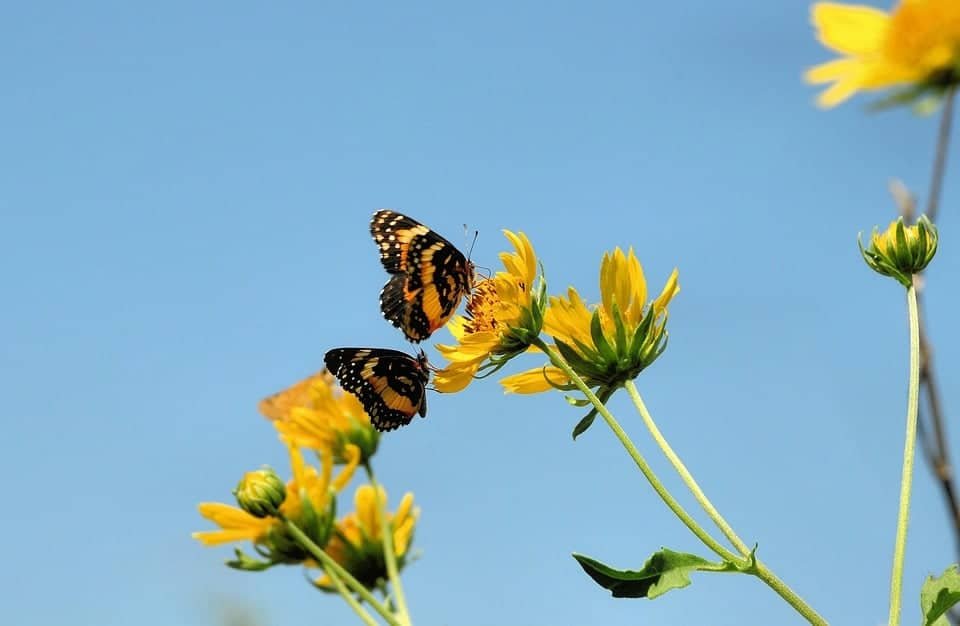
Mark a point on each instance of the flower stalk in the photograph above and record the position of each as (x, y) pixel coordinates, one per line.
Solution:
(750, 564)
(685, 474)
(332, 567)
(641, 463)
(909, 445)
(389, 553)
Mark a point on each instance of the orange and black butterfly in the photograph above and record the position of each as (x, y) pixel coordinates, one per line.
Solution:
(390, 384)
(429, 276)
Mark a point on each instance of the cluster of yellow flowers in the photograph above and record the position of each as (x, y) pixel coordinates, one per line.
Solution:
(314, 415)
(604, 345)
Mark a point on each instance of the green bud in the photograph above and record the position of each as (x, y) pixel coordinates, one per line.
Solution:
(901, 251)
(261, 492)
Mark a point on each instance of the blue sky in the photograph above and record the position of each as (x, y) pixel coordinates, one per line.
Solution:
(184, 198)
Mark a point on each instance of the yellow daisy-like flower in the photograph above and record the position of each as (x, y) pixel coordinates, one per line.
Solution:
(902, 251)
(316, 414)
(357, 541)
(504, 313)
(606, 344)
(917, 44)
(308, 502)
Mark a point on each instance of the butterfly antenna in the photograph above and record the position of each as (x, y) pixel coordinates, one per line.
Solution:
(466, 233)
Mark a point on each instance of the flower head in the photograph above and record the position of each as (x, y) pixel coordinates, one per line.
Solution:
(504, 314)
(917, 44)
(357, 542)
(901, 251)
(316, 414)
(607, 344)
(261, 492)
(309, 502)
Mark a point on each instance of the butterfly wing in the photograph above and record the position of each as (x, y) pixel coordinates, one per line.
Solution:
(389, 384)
(429, 275)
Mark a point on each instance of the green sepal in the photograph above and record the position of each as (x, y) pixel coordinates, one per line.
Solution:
(640, 335)
(620, 344)
(663, 571)
(247, 563)
(910, 96)
(600, 340)
(577, 402)
(939, 595)
(572, 357)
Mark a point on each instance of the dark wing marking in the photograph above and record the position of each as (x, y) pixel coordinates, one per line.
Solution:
(430, 276)
(389, 384)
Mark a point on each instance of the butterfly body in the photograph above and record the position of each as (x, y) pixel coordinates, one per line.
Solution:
(390, 384)
(429, 276)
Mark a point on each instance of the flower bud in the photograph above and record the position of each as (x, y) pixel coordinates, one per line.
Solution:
(260, 492)
(901, 251)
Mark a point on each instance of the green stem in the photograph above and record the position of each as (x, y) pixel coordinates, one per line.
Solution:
(906, 477)
(389, 555)
(641, 463)
(684, 472)
(332, 566)
(365, 617)
(758, 569)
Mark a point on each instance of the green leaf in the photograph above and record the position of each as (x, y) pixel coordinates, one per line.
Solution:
(584, 424)
(939, 595)
(663, 571)
(603, 395)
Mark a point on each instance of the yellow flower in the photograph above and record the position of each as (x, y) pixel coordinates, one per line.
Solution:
(917, 44)
(901, 251)
(504, 313)
(315, 414)
(308, 503)
(606, 344)
(357, 541)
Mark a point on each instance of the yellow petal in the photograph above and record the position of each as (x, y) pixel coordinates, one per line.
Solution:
(638, 283)
(368, 511)
(671, 289)
(536, 380)
(455, 377)
(406, 506)
(352, 454)
(850, 29)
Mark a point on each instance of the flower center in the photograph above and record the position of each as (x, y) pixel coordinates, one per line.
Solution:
(481, 308)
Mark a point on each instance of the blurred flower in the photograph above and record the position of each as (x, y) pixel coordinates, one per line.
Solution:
(901, 251)
(310, 503)
(357, 541)
(260, 492)
(504, 314)
(917, 44)
(316, 414)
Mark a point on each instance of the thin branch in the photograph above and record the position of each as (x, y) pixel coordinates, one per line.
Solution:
(940, 158)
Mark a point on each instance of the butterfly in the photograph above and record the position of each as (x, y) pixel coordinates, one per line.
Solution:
(389, 384)
(429, 276)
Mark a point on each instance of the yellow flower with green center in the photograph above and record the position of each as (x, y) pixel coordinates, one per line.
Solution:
(357, 541)
(901, 251)
(917, 44)
(309, 502)
(316, 414)
(504, 314)
(606, 345)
